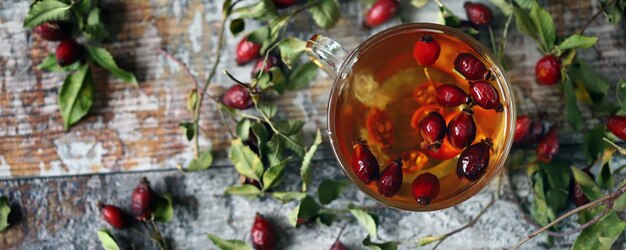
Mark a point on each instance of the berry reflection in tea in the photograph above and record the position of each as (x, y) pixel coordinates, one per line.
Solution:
(424, 103)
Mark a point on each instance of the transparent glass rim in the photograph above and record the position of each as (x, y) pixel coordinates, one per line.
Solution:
(508, 102)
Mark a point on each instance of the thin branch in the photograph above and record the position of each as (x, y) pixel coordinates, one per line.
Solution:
(600, 11)
(468, 225)
(505, 32)
(604, 200)
(493, 40)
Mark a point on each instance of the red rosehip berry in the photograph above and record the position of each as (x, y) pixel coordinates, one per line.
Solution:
(470, 67)
(485, 95)
(390, 179)
(247, 51)
(363, 162)
(474, 160)
(478, 13)
(143, 200)
(522, 128)
(576, 191)
(338, 246)
(284, 3)
(426, 50)
(51, 31)
(548, 146)
(425, 188)
(380, 12)
(269, 63)
(237, 97)
(462, 129)
(617, 125)
(262, 234)
(449, 95)
(113, 215)
(433, 129)
(68, 51)
(548, 70)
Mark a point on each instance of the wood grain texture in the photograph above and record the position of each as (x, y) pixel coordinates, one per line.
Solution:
(136, 128)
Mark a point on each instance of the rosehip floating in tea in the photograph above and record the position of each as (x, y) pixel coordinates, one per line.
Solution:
(548, 70)
(426, 50)
(433, 129)
(380, 12)
(390, 179)
(262, 234)
(449, 95)
(379, 127)
(462, 129)
(470, 67)
(474, 160)
(485, 95)
(363, 162)
(425, 188)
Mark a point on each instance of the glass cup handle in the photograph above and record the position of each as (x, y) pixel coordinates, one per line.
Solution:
(326, 53)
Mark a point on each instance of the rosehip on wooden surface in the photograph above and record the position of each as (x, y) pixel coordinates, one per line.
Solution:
(425, 188)
(548, 70)
(617, 125)
(474, 160)
(462, 129)
(449, 95)
(485, 95)
(548, 146)
(426, 50)
(390, 179)
(247, 51)
(51, 31)
(237, 97)
(380, 12)
(433, 129)
(470, 67)
(68, 51)
(522, 128)
(338, 246)
(113, 215)
(269, 63)
(478, 13)
(284, 3)
(363, 162)
(143, 200)
(262, 234)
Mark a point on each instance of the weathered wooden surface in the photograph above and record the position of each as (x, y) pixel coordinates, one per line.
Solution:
(137, 129)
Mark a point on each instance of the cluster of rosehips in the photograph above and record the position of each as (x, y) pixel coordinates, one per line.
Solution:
(68, 51)
(142, 203)
(529, 132)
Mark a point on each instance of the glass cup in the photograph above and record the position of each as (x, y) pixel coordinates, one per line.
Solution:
(341, 64)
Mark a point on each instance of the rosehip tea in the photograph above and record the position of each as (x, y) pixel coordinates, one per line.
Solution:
(425, 99)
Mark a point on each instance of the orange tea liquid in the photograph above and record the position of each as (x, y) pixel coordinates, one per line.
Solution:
(386, 95)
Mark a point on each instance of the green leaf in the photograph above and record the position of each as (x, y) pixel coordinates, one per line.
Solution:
(390, 245)
(268, 109)
(95, 30)
(201, 163)
(243, 129)
(76, 96)
(539, 209)
(263, 10)
(428, 239)
(50, 65)
(593, 82)
(290, 127)
(47, 10)
(262, 135)
(572, 113)
(605, 179)
(577, 41)
(188, 129)
(504, 6)
(229, 244)
(306, 210)
(325, 218)
(419, 3)
(526, 4)
(107, 240)
(302, 75)
(243, 190)
(448, 18)
(83, 6)
(295, 145)
(226, 8)
(290, 50)
(325, 13)
(620, 92)
(285, 197)
(602, 234)
(163, 209)
(237, 26)
(260, 35)
(272, 176)
(275, 148)
(329, 190)
(366, 220)
(589, 187)
(5, 210)
(192, 100)
(557, 199)
(523, 23)
(104, 59)
(594, 144)
(614, 10)
(544, 24)
(245, 160)
(620, 203)
(277, 79)
(305, 171)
